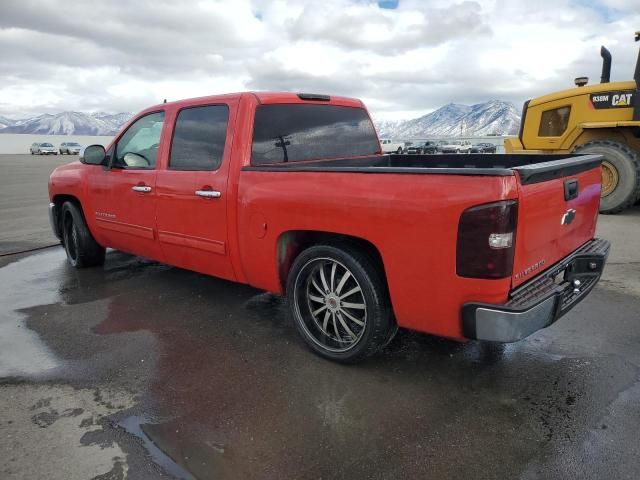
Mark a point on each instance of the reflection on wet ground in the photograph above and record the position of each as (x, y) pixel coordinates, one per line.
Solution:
(24, 285)
(224, 388)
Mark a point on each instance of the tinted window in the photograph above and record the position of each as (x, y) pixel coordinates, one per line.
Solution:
(198, 138)
(290, 133)
(554, 122)
(138, 147)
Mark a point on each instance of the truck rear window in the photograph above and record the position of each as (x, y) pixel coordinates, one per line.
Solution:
(292, 133)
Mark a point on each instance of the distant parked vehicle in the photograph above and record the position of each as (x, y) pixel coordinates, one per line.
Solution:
(422, 148)
(389, 146)
(483, 148)
(457, 146)
(439, 145)
(70, 148)
(42, 149)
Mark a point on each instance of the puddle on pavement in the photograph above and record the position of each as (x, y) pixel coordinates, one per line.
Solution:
(29, 282)
(135, 425)
(244, 399)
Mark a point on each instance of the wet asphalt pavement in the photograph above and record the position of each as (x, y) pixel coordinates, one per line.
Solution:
(139, 370)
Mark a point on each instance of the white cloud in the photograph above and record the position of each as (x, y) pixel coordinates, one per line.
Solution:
(115, 56)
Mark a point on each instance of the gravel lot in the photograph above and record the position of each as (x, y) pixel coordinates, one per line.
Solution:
(144, 371)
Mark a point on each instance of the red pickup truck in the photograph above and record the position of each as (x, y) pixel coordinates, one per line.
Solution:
(291, 193)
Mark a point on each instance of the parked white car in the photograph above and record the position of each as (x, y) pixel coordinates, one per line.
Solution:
(42, 149)
(70, 148)
(389, 146)
(457, 146)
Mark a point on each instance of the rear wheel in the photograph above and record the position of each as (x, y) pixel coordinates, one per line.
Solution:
(81, 248)
(620, 174)
(399, 150)
(339, 302)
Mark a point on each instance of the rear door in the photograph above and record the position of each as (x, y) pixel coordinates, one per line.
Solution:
(192, 191)
(557, 212)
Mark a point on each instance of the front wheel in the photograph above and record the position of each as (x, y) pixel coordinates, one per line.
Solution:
(81, 248)
(339, 302)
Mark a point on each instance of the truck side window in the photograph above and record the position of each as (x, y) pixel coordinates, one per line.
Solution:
(554, 122)
(296, 132)
(138, 147)
(199, 138)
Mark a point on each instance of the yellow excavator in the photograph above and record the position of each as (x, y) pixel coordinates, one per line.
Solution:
(603, 118)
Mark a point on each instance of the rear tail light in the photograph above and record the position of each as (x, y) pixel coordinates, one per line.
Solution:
(486, 240)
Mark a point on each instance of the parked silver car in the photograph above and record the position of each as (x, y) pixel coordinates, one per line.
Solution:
(70, 148)
(42, 149)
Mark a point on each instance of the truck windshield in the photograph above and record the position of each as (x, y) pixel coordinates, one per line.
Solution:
(292, 132)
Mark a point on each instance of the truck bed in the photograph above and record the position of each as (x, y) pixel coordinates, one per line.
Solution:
(531, 168)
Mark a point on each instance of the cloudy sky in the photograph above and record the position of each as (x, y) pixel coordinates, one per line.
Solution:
(402, 58)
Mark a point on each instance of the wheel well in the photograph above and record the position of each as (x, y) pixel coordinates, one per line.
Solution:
(58, 201)
(292, 243)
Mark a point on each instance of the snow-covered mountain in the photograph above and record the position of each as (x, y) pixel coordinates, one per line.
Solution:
(385, 127)
(68, 123)
(6, 122)
(494, 117)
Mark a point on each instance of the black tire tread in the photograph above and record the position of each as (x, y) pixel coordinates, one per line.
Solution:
(90, 253)
(633, 156)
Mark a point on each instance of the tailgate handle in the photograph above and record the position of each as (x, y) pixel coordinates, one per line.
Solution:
(570, 189)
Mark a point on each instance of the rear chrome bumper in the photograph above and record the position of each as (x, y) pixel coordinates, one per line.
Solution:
(541, 301)
(53, 220)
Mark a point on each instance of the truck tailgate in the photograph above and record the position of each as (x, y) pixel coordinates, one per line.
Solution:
(558, 205)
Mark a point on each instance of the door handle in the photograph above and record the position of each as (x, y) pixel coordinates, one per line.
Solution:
(141, 188)
(208, 193)
(571, 188)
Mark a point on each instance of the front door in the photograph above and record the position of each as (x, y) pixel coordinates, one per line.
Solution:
(192, 192)
(125, 196)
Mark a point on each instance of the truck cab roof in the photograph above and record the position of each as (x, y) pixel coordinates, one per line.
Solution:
(266, 98)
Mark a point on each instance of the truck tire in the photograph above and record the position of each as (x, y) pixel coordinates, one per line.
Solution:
(620, 174)
(339, 303)
(399, 151)
(81, 248)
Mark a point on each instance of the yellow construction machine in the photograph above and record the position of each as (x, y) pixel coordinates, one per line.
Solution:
(602, 118)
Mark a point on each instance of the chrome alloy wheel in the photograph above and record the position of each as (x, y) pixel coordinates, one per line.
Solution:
(330, 304)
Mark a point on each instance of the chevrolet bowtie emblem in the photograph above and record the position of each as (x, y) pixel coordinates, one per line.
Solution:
(568, 217)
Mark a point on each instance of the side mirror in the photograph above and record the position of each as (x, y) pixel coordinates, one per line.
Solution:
(93, 155)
